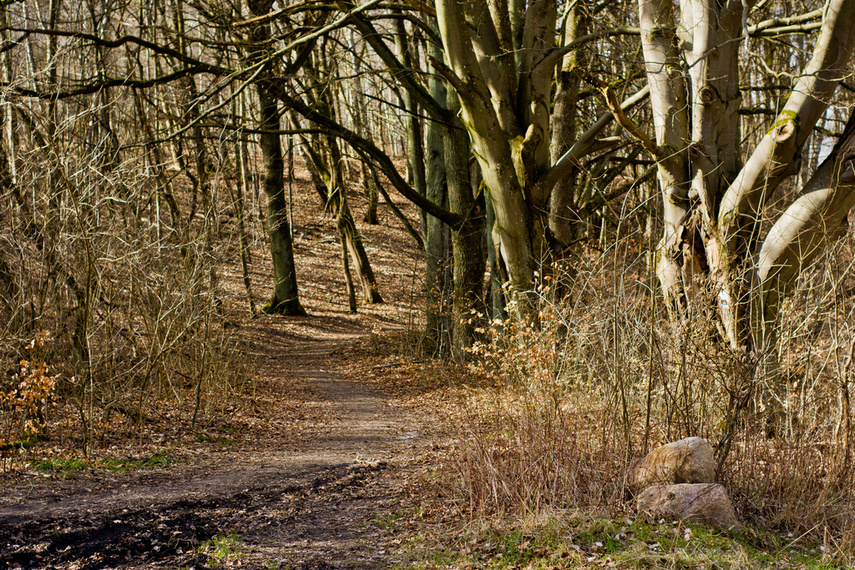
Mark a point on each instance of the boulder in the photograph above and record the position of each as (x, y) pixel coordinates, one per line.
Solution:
(689, 460)
(698, 502)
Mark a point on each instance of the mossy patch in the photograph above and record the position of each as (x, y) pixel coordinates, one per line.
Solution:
(621, 543)
(70, 464)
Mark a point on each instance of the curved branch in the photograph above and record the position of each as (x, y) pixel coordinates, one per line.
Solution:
(106, 83)
(128, 39)
(367, 147)
(773, 159)
(585, 144)
(802, 232)
(760, 27)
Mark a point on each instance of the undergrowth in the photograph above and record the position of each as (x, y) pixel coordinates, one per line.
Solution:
(24, 400)
(602, 377)
(573, 540)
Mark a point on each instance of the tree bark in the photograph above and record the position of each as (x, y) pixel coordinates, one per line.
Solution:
(285, 299)
(713, 203)
(816, 218)
(468, 241)
(505, 110)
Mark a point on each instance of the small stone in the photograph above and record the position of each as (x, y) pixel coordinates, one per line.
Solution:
(689, 460)
(693, 502)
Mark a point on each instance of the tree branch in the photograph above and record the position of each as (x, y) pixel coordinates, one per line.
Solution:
(617, 110)
(105, 83)
(363, 145)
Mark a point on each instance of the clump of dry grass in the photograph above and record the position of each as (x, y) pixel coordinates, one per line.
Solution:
(603, 377)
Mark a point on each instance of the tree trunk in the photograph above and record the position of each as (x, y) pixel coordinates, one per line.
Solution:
(345, 265)
(337, 203)
(563, 212)
(242, 190)
(816, 218)
(504, 105)
(436, 233)
(468, 241)
(671, 124)
(285, 299)
(415, 144)
(714, 206)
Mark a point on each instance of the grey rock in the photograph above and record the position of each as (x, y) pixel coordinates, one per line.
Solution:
(689, 460)
(698, 502)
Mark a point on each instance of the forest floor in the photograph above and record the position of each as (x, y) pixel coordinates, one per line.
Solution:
(311, 467)
(338, 450)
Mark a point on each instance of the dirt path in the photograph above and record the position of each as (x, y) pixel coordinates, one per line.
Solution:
(314, 499)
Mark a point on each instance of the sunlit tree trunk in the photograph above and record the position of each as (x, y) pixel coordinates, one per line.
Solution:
(505, 102)
(713, 203)
(500, 59)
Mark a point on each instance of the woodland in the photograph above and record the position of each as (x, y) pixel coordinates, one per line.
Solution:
(629, 224)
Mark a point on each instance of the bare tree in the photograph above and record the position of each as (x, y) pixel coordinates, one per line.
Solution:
(714, 196)
(500, 59)
(285, 298)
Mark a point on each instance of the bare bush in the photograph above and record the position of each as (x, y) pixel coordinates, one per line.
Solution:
(128, 292)
(602, 377)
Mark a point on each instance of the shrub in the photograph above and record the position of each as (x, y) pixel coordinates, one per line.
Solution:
(24, 402)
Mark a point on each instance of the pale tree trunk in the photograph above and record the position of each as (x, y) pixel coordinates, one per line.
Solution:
(816, 218)
(500, 58)
(8, 176)
(9, 146)
(712, 251)
(671, 125)
(774, 159)
(714, 152)
(505, 102)
(712, 203)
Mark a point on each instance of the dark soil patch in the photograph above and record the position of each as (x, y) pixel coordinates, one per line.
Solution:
(173, 534)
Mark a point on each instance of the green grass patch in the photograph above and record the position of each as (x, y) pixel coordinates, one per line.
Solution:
(389, 521)
(24, 443)
(224, 441)
(616, 543)
(222, 549)
(70, 464)
(61, 464)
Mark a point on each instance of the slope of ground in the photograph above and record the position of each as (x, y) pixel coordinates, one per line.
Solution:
(335, 455)
(314, 456)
